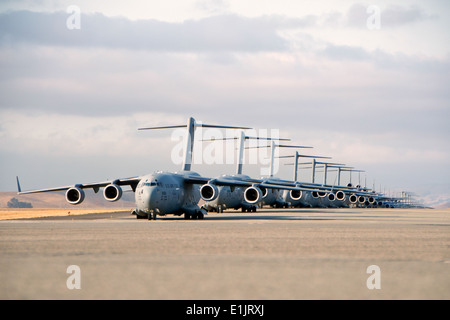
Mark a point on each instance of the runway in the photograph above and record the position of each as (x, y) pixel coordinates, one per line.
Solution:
(270, 254)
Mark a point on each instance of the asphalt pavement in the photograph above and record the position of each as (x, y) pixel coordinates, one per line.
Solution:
(271, 254)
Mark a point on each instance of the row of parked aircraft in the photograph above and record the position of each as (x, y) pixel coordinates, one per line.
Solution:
(179, 193)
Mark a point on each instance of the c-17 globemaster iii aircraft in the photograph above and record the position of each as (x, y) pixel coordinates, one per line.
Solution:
(162, 193)
(230, 197)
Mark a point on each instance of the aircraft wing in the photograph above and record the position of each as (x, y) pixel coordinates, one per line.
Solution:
(132, 182)
(244, 183)
(216, 181)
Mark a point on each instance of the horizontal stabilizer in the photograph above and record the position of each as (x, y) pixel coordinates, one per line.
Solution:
(163, 127)
(219, 126)
(304, 156)
(278, 145)
(197, 125)
(246, 137)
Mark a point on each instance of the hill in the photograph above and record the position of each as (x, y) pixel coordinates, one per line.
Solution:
(57, 200)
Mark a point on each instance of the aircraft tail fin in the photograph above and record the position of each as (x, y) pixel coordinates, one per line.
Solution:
(189, 144)
(19, 189)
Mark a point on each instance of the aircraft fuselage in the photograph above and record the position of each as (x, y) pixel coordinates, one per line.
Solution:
(162, 193)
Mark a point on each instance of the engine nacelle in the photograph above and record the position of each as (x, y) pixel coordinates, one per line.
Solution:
(353, 198)
(295, 194)
(75, 195)
(253, 194)
(340, 195)
(361, 199)
(322, 194)
(112, 192)
(264, 191)
(209, 192)
(371, 200)
(331, 197)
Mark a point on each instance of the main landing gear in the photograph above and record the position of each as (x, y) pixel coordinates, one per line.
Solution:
(249, 209)
(149, 216)
(197, 215)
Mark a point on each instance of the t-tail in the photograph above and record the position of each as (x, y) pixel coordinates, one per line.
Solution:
(189, 139)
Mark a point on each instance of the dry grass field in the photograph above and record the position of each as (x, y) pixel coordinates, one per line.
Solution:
(10, 214)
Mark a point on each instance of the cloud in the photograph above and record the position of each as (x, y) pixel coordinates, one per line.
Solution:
(390, 16)
(344, 52)
(212, 6)
(216, 33)
(74, 98)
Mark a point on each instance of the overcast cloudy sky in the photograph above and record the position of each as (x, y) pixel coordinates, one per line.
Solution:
(366, 83)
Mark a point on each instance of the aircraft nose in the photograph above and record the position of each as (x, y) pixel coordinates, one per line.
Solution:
(152, 196)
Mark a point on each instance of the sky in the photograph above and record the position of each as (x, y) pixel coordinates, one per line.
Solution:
(366, 83)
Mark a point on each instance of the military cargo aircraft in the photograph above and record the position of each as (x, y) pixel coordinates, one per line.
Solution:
(162, 193)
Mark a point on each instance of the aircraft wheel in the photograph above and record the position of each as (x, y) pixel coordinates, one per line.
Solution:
(187, 216)
(197, 215)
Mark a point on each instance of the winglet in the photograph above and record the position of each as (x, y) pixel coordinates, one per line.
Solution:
(19, 189)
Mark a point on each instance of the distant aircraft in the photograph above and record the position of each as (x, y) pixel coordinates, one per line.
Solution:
(235, 197)
(230, 197)
(300, 199)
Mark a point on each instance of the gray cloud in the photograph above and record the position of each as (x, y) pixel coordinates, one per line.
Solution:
(217, 33)
(353, 103)
(341, 52)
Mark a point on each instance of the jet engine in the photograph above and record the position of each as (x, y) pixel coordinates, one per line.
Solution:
(253, 194)
(331, 197)
(112, 192)
(209, 192)
(75, 195)
(353, 198)
(361, 199)
(295, 194)
(340, 195)
(372, 200)
(264, 191)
